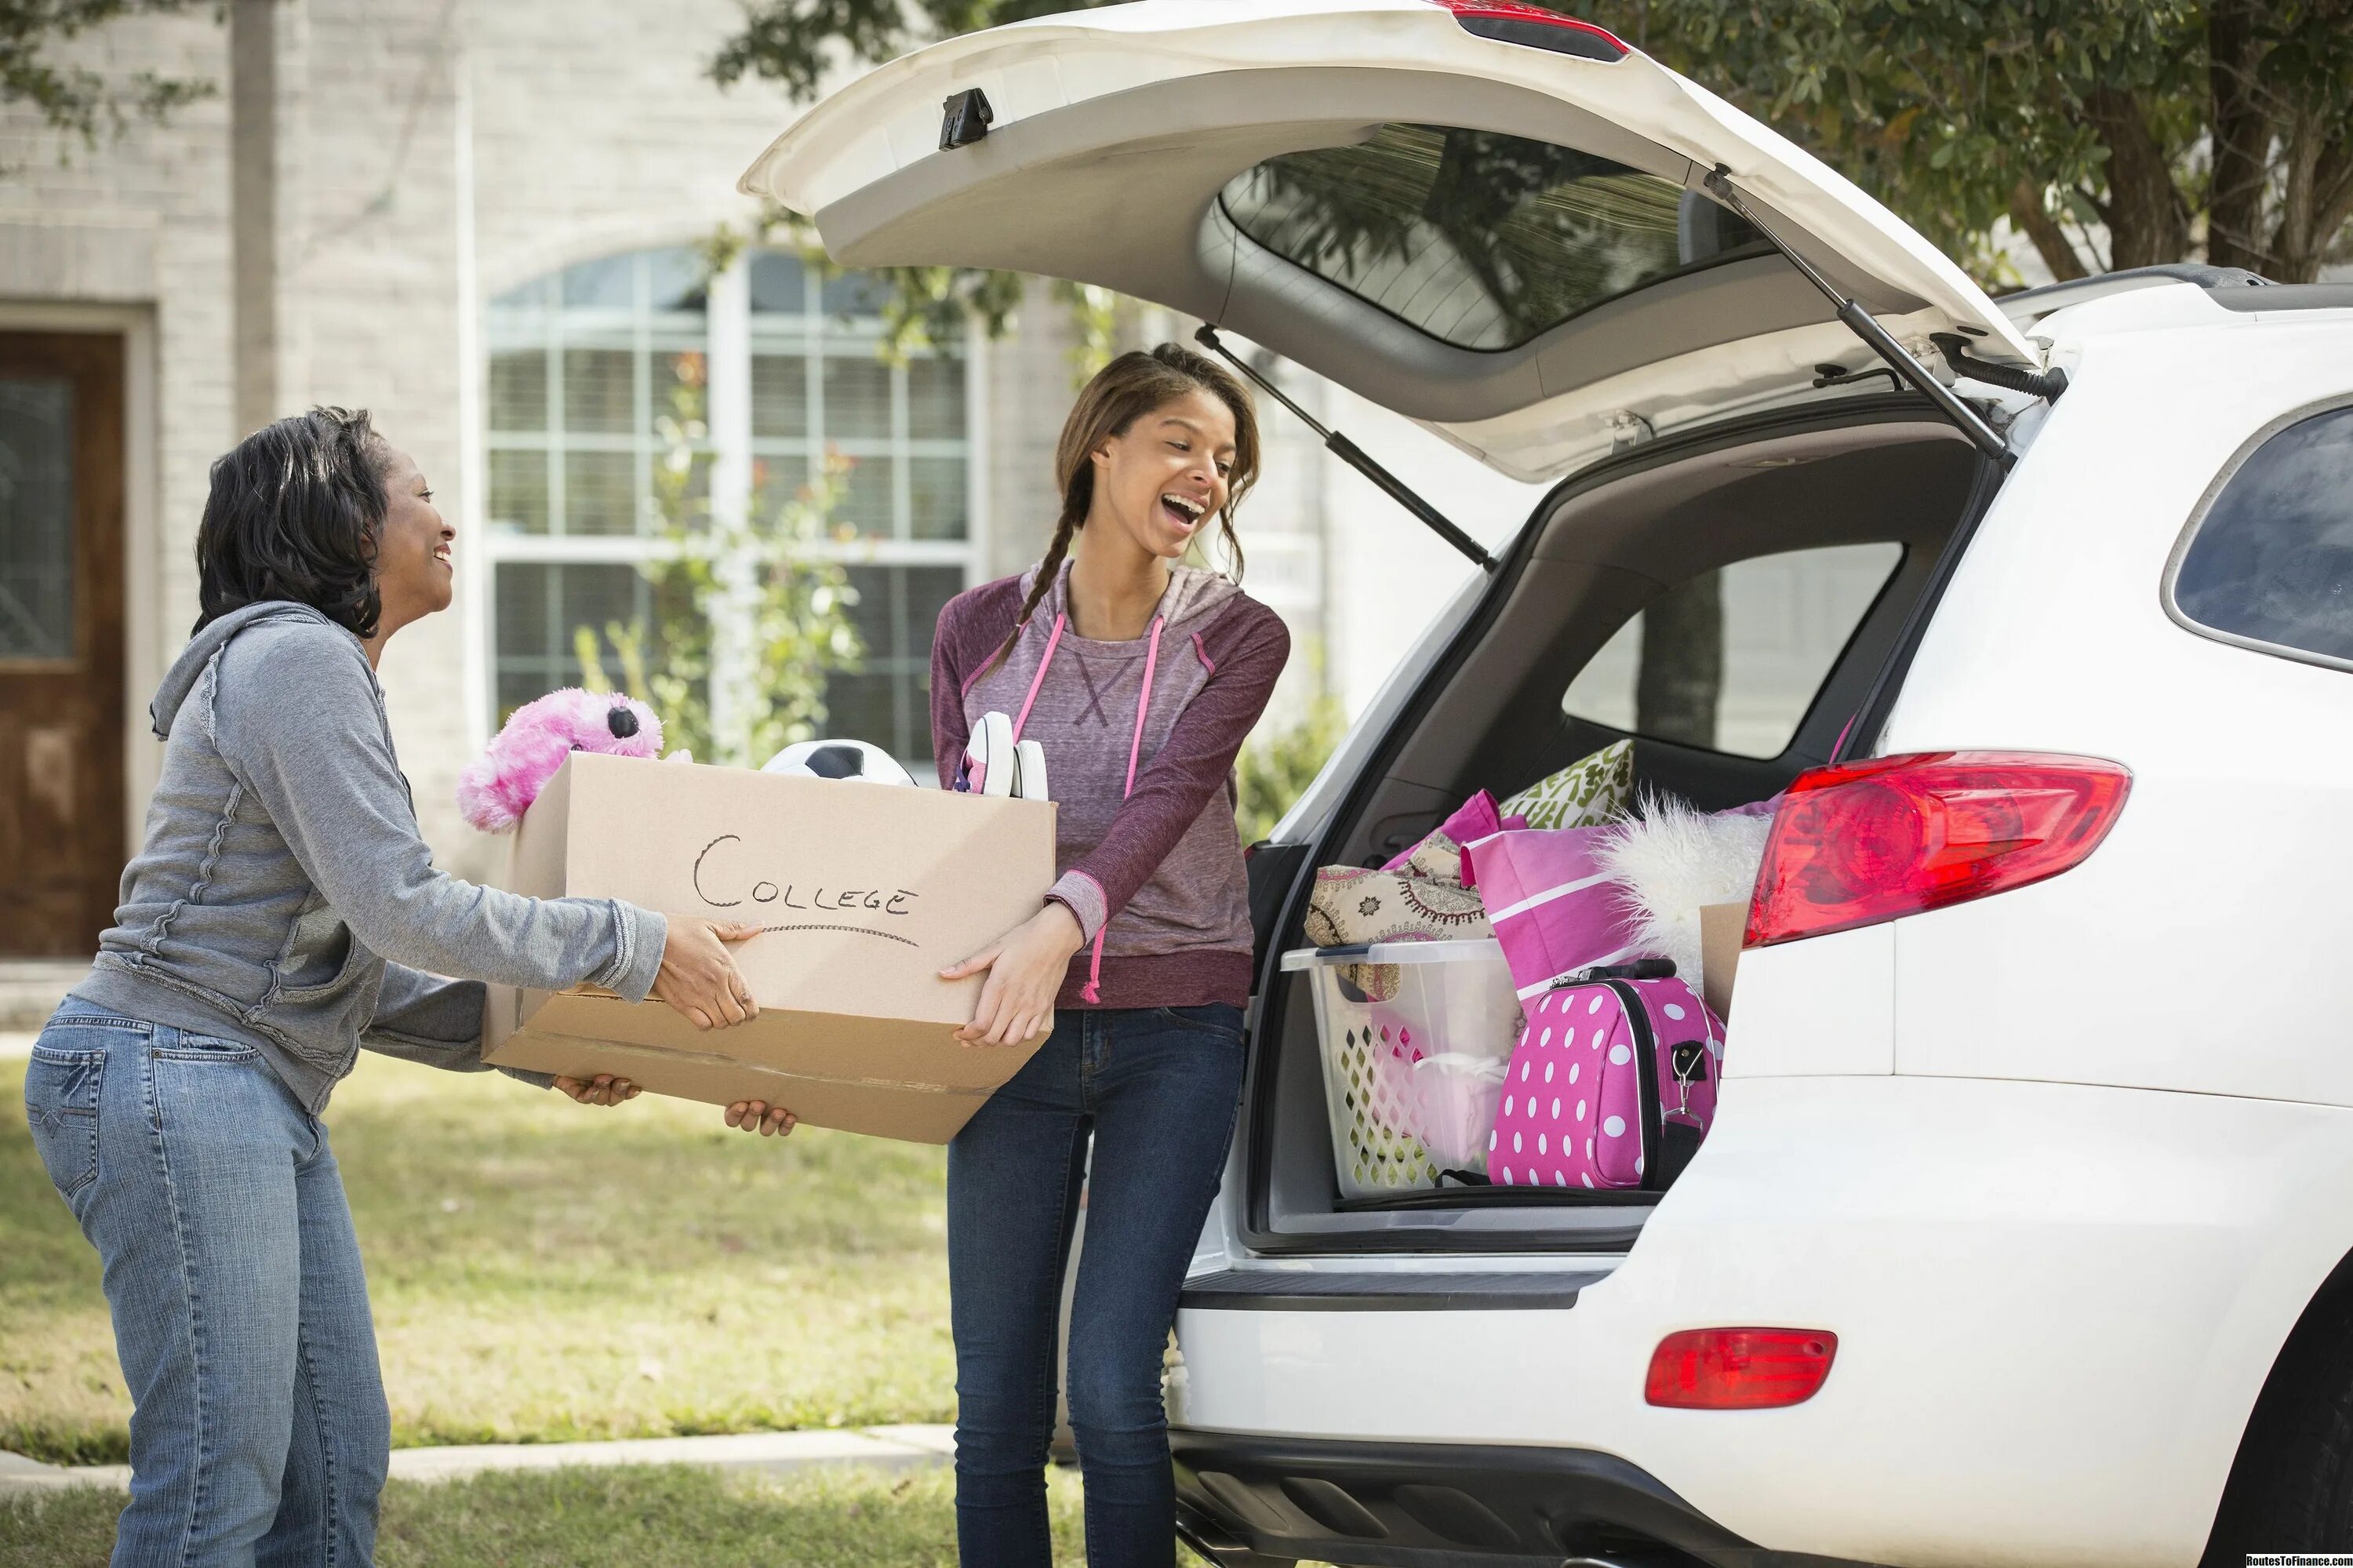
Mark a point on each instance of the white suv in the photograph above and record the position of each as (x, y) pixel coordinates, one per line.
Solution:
(2025, 1231)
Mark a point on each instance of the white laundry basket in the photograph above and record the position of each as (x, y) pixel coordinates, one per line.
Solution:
(1415, 1039)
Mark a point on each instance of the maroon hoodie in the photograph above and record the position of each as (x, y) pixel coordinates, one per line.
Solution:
(1139, 740)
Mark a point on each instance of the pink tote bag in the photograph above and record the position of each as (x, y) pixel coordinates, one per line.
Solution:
(1551, 906)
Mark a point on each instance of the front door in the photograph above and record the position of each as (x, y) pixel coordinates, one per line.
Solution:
(62, 643)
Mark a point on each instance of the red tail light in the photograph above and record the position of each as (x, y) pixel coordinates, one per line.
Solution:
(1739, 1369)
(1867, 842)
(1514, 23)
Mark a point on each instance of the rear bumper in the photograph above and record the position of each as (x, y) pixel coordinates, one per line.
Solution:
(2055, 1305)
(1243, 1501)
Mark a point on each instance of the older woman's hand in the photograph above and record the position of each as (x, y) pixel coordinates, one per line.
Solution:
(604, 1089)
(758, 1116)
(699, 977)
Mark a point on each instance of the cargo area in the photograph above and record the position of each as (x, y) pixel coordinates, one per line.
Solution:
(1728, 607)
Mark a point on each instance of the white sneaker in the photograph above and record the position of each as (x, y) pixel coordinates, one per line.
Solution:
(1030, 782)
(992, 764)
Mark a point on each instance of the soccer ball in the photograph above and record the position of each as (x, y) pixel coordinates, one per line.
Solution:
(840, 759)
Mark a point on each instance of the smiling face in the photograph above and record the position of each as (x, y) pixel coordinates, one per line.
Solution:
(1164, 478)
(414, 574)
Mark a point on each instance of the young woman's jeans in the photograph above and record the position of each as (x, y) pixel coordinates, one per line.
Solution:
(1159, 1089)
(259, 1432)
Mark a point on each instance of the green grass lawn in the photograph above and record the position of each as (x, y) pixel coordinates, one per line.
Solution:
(665, 1517)
(543, 1271)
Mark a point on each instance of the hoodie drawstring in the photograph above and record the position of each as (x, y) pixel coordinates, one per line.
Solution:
(1143, 704)
(1053, 641)
(1093, 991)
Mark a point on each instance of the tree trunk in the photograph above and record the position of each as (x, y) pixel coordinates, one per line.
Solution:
(2051, 242)
(2241, 139)
(2316, 200)
(1682, 672)
(2147, 222)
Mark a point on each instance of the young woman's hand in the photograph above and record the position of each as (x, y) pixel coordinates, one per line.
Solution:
(760, 1117)
(604, 1089)
(697, 976)
(1025, 967)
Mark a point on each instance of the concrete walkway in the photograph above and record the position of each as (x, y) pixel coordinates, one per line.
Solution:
(779, 1453)
(30, 989)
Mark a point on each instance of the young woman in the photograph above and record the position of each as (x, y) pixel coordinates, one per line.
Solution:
(1141, 677)
(282, 913)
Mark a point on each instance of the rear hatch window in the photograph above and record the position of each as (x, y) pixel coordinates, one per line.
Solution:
(1480, 239)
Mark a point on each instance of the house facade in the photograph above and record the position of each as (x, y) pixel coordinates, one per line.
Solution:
(489, 222)
(484, 222)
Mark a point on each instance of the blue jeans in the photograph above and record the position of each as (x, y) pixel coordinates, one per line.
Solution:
(1159, 1089)
(258, 1430)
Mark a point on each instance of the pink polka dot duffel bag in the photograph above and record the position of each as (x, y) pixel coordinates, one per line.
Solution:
(1613, 1085)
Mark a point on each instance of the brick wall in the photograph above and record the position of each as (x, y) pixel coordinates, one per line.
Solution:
(585, 127)
(142, 220)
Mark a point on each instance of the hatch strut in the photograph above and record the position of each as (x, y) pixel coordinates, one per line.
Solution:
(1355, 457)
(1877, 338)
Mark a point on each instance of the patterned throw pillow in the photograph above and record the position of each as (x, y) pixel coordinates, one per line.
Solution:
(1352, 905)
(1438, 857)
(1591, 791)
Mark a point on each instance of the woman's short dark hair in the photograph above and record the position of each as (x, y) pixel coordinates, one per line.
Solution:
(295, 512)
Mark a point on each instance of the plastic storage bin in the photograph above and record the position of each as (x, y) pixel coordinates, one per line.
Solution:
(1416, 1037)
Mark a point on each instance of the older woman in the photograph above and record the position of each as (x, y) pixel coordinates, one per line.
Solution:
(282, 913)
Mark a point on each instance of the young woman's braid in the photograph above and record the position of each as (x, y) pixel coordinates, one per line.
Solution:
(1048, 570)
(1120, 394)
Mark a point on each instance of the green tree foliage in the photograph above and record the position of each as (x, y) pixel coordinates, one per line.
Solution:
(761, 573)
(929, 306)
(75, 100)
(2222, 129)
(1274, 769)
(2185, 128)
(792, 42)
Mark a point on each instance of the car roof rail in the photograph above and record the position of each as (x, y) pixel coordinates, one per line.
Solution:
(2025, 305)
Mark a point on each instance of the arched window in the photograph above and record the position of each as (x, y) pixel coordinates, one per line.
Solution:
(581, 367)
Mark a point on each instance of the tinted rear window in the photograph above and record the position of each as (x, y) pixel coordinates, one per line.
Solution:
(1480, 239)
(2272, 560)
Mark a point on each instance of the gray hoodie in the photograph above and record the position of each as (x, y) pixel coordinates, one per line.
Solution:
(284, 897)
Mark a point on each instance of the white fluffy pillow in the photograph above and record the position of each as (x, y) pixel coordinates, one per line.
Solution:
(1672, 858)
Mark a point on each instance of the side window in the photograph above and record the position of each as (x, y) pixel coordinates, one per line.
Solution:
(2269, 563)
(1733, 659)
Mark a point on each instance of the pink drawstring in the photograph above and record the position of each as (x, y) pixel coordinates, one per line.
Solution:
(1143, 702)
(1052, 641)
(1093, 991)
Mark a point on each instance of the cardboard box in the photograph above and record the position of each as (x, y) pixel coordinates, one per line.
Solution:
(1721, 926)
(867, 892)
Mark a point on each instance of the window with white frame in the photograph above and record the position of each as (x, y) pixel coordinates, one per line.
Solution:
(581, 365)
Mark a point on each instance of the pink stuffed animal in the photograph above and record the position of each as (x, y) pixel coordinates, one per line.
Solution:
(495, 789)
